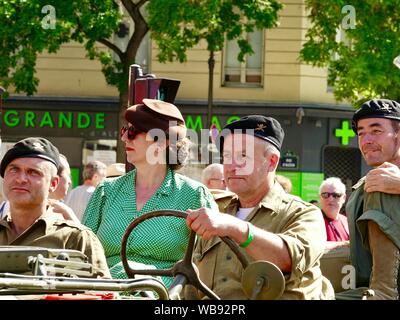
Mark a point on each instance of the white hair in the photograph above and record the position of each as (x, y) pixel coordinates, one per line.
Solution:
(209, 171)
(335, 182)
(271, 149)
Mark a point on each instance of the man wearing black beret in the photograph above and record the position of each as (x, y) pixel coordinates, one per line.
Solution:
(29, 170)
(373, 208)
(266, 222)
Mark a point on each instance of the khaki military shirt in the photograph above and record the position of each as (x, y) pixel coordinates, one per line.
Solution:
(301, 227)
(384, 210)
(52, 231)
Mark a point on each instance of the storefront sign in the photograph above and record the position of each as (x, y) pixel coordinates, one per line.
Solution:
(54, 123)
(47, 119)
(196, 122)
(345, 133)
(295, 179)
(289, 161)
(310, 183)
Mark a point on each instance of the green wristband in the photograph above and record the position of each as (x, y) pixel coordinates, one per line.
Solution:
(250, 237)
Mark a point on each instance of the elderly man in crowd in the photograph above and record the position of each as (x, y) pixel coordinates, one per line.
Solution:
(266, 222)
(213, 176)
(332, 193)
(373, 208)
(29, 170)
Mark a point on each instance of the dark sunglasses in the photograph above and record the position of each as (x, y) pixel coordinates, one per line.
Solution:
(132, 132)
(326, 195)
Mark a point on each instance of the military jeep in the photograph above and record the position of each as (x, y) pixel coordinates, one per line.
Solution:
(41, 273)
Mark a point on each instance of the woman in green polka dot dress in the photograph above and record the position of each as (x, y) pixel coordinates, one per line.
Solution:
(155, 144)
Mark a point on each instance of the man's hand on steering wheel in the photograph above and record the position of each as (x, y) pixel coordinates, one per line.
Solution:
(208, 224)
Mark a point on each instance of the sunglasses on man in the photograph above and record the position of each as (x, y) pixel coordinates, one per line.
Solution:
(326, 195)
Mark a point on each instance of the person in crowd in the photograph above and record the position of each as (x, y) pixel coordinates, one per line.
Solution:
(115, 170)
(373, 208)
(284, 182)
(332, 193)
(4, 208)
(56, 198)
(64, 183)
(213, 176)
(29, 170)
(78, 198)
(265, 221)
(156, 144)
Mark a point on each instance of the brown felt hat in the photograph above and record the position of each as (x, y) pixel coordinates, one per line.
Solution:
(157, 114)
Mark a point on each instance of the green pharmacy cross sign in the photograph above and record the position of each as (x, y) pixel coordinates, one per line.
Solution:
(345, 132)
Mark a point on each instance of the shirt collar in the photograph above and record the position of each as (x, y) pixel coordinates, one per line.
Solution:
(270, 201)
(48, 217)
(168, 184)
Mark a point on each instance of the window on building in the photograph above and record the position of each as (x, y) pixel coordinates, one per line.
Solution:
(249, 72)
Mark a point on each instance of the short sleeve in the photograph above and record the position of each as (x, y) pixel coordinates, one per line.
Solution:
(90, 245)
(385, 223)
(305, 238)
(205, 200)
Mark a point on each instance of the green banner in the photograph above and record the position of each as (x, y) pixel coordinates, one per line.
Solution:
(295, 178)
(310, 183)
(304, 184)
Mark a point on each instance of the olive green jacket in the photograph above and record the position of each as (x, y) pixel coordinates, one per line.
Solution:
(301, 227)
(384, 210)
(52, 231)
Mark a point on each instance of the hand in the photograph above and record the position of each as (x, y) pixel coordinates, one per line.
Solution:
(385, 178)
(62, 208)
(208, 224)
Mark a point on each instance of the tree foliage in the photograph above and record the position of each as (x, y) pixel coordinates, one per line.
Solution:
(23, 34)
(178, 25)
(363, 68)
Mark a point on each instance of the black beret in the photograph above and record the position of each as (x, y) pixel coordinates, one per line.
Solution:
(31, 148)
(377, 108)
(266, 128)
(156, 114)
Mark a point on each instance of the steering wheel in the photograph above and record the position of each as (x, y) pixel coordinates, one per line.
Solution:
(184, 267)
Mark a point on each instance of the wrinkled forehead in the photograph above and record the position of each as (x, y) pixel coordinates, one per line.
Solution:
(373, 122)
(238, 142)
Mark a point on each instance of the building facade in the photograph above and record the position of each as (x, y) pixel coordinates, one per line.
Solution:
(78, 111)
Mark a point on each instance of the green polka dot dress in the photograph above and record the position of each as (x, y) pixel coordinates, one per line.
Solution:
(158, 242)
